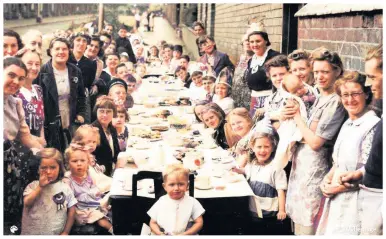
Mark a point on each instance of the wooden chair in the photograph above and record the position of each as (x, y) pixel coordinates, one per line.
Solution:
(143, 204)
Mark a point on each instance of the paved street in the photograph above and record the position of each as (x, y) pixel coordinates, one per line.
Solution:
(162, 31)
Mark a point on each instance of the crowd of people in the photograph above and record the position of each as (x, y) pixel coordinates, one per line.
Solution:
(305, 132)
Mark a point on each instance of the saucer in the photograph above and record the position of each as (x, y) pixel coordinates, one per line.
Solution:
(203, 187)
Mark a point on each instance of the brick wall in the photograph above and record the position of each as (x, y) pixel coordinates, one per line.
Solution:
(349, 34)
(231, 24)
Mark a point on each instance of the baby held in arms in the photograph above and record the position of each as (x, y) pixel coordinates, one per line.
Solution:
(293, 89)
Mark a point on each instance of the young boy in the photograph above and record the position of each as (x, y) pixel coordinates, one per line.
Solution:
(177, 52)
(118, 92)
(208, 84)
(123, 44)
(196, 89)
(176, 213)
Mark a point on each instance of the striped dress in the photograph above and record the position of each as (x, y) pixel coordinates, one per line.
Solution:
(265, 180)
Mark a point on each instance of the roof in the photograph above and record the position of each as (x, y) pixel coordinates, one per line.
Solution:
(328, 9)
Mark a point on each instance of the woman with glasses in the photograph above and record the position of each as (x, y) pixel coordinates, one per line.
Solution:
(107, 151)
(351, 150)
(255, 75)
(241, 92)
(63, 94)
(312, 157)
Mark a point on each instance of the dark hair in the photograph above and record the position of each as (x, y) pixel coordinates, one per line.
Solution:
(105, 102)
(277, 61)
(9, 61)
(354, 77)
(103, 33)
(154, 46)
(58, 39)
(198, 23)
(11, 33)
(202, 102)
(80, 34)
(111, 54)
(124, 27)
(179, 68)
(196, 73)
(212, 78)
(186, 57)
(264, 35)
(120, 65)
(202, 39)
(323, 54)
(122, 110)
(97, 39)
(131, 79)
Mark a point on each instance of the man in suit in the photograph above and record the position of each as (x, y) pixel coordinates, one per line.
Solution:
(216, 59)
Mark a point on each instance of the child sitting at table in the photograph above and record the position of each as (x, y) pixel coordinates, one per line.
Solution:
(176, 213)
(48, 198)
(267, 182)
(196, 89)
(119, 125)
(208, 84)
(89, 208)
(87, 137)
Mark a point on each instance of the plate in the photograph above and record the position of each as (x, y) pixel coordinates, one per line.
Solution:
(227, 160)
(141, 146)
(155, 139)
(207, 187)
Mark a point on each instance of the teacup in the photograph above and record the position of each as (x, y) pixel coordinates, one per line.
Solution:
(203, 181)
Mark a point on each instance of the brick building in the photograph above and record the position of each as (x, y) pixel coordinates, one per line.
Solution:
(347, 29)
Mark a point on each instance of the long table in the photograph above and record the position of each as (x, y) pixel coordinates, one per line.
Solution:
(226, 204)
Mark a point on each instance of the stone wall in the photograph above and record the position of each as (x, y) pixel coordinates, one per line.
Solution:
(349, 34)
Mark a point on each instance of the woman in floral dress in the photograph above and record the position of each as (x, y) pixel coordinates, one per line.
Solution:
(311, 159)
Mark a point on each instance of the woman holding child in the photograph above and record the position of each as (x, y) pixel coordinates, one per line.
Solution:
(310, 161)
